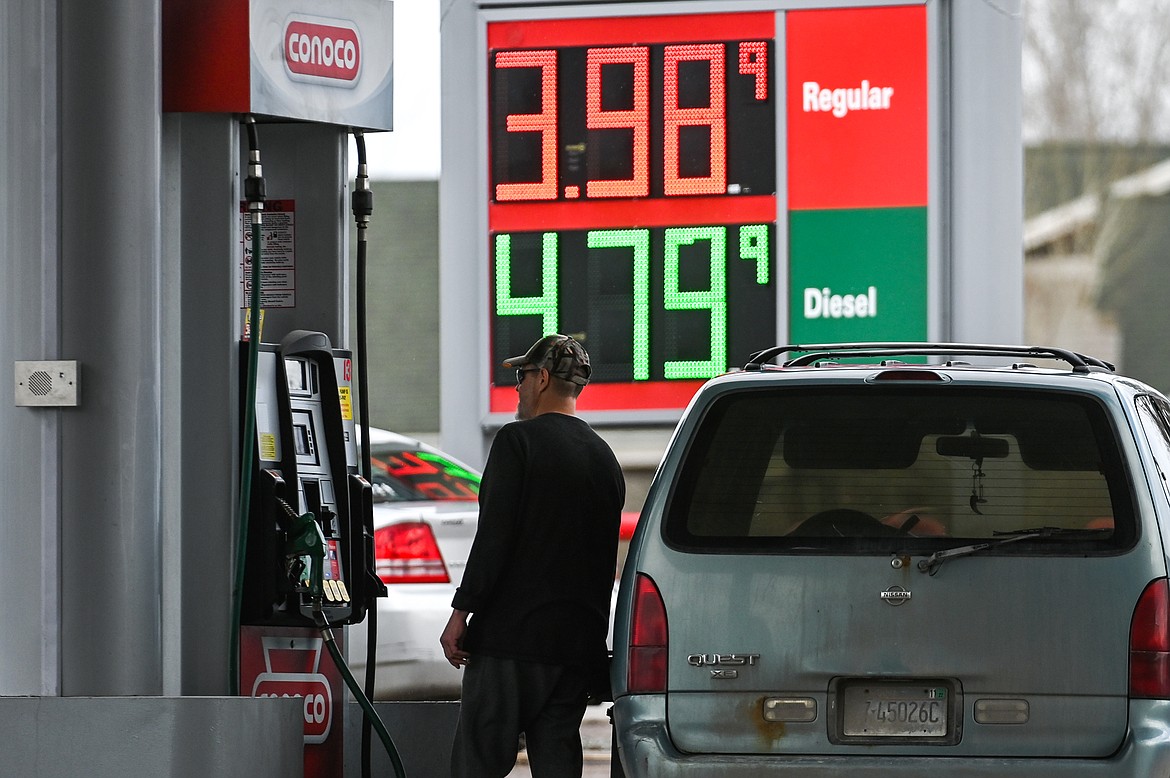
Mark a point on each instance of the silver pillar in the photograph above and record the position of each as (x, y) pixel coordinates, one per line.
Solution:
(111, 322)
(29, 308)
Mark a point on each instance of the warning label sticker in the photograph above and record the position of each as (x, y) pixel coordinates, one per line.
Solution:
(278, 261)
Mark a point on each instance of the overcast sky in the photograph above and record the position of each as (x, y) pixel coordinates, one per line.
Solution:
(411, 151)
(1096, 70)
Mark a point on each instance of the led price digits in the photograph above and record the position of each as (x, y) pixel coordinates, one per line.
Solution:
(544, 122)
(713, 299)
(639, 242)
(675, 294)
(712, 116)
(643, 109)
(636, 118)
(631, 197)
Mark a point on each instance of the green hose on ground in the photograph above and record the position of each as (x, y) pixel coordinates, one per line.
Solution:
(363, 700)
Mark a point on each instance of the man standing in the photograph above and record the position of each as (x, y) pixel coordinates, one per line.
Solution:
(539, 577)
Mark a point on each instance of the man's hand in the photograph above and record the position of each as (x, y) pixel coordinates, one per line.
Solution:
(452, 639)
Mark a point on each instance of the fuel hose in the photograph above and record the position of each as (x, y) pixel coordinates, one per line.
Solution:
(363, 700)
(362, 205)
(310, 542)
(254, 194)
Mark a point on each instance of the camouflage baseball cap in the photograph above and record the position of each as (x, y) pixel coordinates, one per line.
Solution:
(562, 356)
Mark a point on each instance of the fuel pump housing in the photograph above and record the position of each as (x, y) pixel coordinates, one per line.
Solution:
(305, 464)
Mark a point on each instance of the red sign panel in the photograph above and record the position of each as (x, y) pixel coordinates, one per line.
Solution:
(289, 662)
(857, 107)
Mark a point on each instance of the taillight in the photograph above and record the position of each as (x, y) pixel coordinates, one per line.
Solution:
(648, 642)
(407, 553)
(1149, 643)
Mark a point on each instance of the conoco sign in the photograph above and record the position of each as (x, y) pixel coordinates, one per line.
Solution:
(329, 61)
(293, 662)
(322, 53)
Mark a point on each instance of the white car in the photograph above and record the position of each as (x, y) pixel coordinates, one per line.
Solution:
(425, 515)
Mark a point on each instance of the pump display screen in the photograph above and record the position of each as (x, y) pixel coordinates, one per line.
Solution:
(302, 376)
(632, 198)
(304, 438)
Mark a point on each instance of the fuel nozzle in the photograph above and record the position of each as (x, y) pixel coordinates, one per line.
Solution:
(305, 540)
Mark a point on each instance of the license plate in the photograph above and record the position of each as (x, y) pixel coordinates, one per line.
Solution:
(894, 710)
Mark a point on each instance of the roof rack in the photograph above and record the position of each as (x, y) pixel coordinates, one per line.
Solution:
(811, 354)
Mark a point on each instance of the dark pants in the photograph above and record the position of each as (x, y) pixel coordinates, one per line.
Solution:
(504, 697)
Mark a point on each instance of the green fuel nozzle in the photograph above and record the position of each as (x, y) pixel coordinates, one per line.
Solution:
(305, 539)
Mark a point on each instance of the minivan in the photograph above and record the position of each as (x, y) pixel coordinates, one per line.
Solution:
(902, 559)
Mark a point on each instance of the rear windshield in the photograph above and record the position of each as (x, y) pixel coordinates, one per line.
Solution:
(414, 474)
(878, 468)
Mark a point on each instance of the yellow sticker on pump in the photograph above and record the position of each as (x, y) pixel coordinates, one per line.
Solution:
(267, 447)
(343, 394)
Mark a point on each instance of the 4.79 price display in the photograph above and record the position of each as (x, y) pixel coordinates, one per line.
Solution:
(656, 304)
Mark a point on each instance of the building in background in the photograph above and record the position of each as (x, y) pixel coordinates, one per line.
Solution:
(403, 307)
(1095, 246)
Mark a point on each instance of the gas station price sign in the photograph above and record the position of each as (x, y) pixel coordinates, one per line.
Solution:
(632, 198)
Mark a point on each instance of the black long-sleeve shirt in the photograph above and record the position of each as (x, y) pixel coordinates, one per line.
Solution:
(541, 569)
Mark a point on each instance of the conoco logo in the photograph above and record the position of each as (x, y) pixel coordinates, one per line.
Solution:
(315, 694)
(321, 51)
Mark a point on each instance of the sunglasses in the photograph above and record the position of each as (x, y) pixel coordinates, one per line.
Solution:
(521, 372)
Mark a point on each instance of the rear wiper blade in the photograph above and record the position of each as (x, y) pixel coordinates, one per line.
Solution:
(934, 561)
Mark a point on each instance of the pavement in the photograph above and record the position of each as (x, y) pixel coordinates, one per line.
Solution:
(595, 744)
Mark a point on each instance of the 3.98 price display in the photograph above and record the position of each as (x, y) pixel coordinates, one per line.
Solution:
(632, 121)
(632, 202)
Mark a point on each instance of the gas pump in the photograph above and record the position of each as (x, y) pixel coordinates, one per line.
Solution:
(308, 554)
(311, 71)
(306, 543)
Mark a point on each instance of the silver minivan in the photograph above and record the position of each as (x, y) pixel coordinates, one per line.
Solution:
(903, 559)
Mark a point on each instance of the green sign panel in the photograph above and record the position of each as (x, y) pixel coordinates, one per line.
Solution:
(857, 275)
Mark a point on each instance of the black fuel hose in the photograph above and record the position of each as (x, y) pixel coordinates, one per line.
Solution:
(362, 204)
